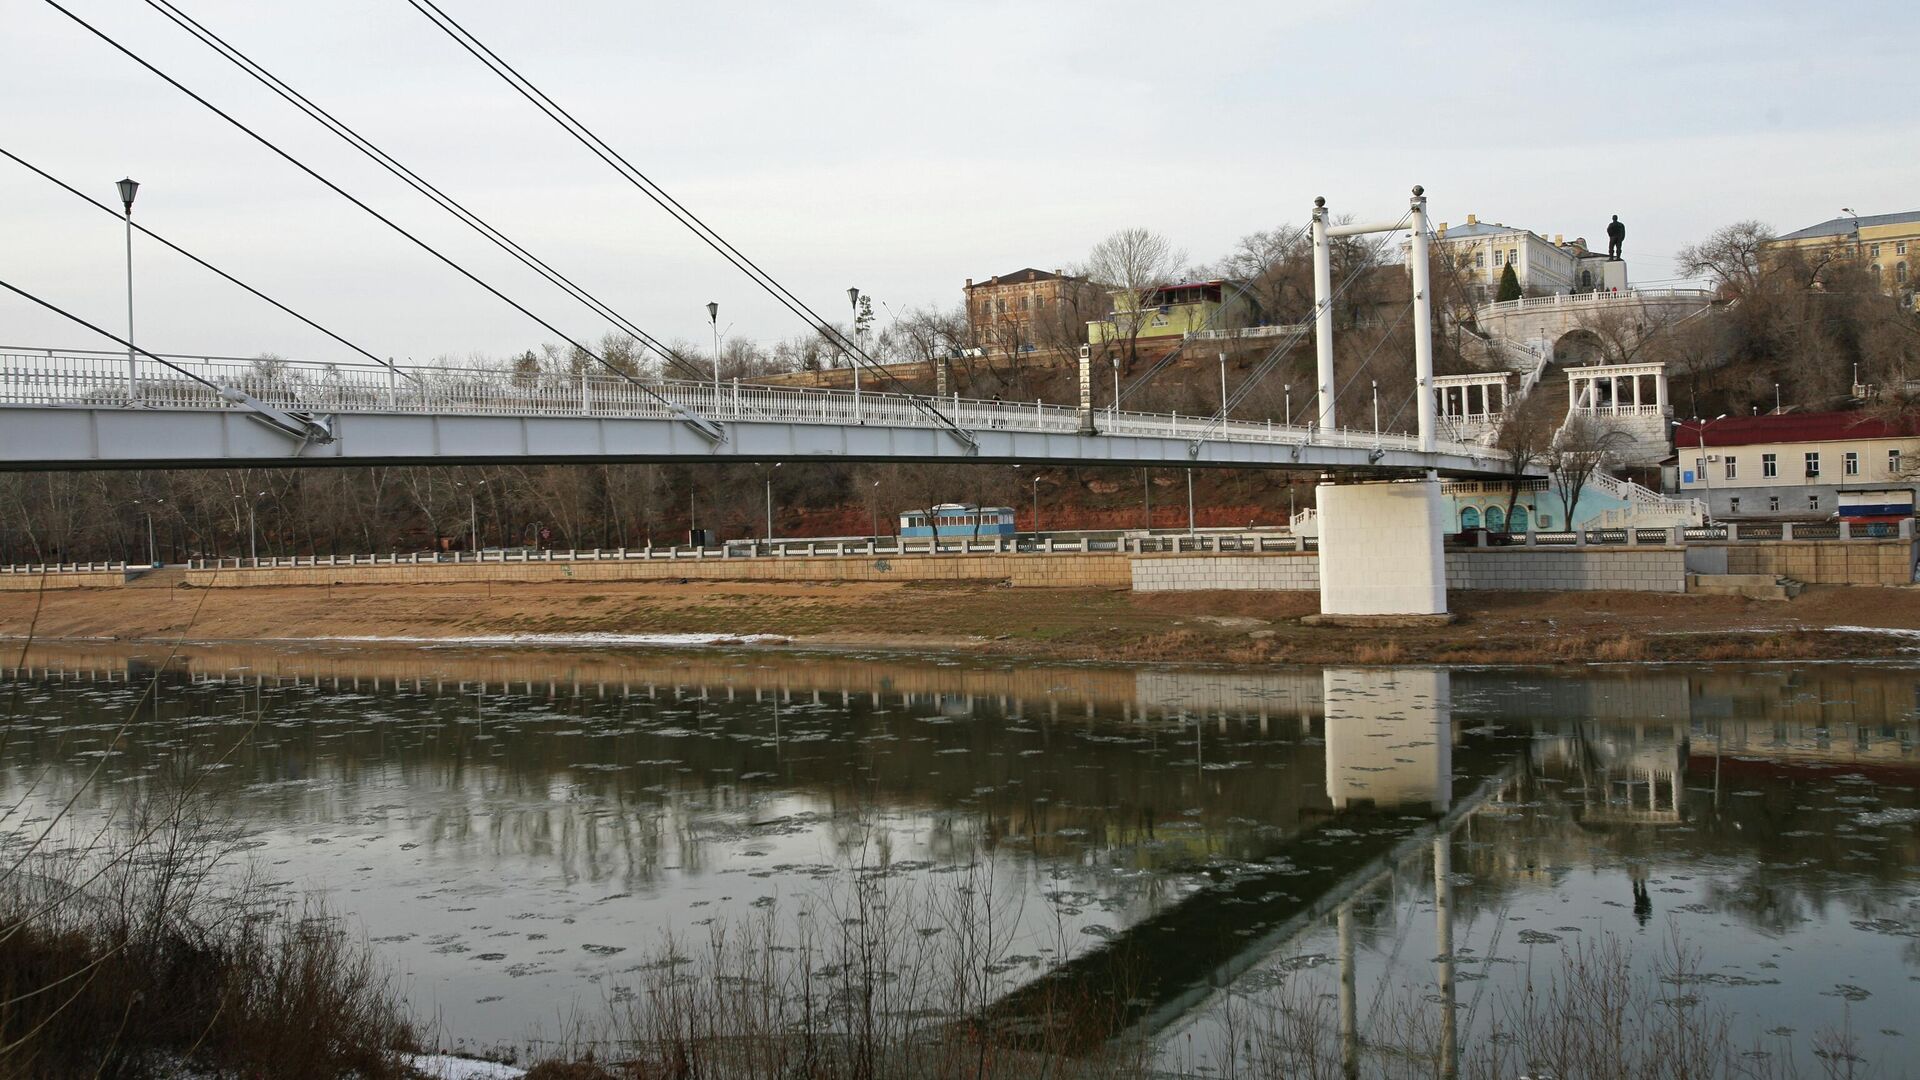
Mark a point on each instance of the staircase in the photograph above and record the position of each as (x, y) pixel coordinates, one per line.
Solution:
(1645, 507)
(1750, 586)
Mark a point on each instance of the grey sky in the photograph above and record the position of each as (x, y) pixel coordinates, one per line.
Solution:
(899, 147)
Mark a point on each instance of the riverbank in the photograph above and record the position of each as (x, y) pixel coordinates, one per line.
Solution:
(1825, 622)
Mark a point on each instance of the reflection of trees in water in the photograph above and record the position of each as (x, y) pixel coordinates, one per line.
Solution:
(620, 788)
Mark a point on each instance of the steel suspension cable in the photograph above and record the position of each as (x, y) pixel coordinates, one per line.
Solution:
(377, 215)
(386, 161)
(691, 221)
(177, 249)
(1272, 360)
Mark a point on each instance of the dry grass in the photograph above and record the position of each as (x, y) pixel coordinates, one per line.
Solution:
(114, 960)
(877, 979)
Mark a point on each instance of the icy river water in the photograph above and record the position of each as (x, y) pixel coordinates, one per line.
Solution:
(519, 834)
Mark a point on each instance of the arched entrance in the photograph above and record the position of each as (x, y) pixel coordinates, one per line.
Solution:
(1469, 518)
(1579, 347)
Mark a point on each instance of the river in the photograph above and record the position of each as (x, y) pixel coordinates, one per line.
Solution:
(520, 834)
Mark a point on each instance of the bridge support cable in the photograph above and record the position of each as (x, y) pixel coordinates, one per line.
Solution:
(687, 218)
(706, 427)
(1167, 359)
(440, 198)
(1275, 355)
(178, 250)
(300, 425)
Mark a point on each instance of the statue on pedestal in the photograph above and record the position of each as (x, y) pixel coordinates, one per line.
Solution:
(1616, 236)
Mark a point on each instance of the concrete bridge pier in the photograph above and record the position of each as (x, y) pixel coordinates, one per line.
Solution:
(1380, 551)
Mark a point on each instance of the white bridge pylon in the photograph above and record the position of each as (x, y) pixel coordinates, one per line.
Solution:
(1380, 543)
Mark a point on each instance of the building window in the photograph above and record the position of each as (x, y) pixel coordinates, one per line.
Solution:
(1700, 466)
(1893, 463)
(1873, 251)
(1769, 466)
(1813, 465)
(1852, 464)
(1813, 502)
(1479, 260)
(1773, 503)
(1899, 271)
(1733, 505)
(1900, 247)
(1498, 258)
(1731, 471)
(1876, 273)
(1513, 256)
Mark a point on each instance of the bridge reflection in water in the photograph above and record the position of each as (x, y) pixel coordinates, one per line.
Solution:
(1258, 806)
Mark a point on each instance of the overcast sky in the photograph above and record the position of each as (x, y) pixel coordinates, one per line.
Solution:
(901, 147)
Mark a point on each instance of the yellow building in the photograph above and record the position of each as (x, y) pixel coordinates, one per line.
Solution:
(1888, 245)
(1172, 311)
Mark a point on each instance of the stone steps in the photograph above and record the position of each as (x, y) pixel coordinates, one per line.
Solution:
(1751, 586)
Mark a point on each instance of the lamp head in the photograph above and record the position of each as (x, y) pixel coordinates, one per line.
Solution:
(853, 297)
(713, 311)
(128, 189)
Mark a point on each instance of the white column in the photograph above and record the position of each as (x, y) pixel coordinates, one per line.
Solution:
(1323, 313)
(1636, 393)
(1422, 319)
(1660, 390)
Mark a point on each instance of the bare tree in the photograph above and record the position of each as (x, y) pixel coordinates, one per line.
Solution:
(1730, 256)
(1132, 263)
(1583, 447)
(1524, 439)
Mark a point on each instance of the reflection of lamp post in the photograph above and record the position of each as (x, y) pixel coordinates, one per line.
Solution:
(128, 188)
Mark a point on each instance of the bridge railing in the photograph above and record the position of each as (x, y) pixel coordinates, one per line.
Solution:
(79, 377)
(1594, 299)
(63, 568)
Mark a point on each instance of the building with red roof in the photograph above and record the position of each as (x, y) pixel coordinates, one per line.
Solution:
(1800, 466)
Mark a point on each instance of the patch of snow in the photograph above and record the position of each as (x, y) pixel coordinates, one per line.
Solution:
(1887, 630)
(451, 1067)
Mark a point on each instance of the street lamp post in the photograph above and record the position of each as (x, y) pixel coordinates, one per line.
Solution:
(253, 534)
(1114, 411)
(1223, 386)
(473, 513)
(853, 301)
(1289, 404)
(1189, 501)
(128, 189)
(713, 320)
(776, 465)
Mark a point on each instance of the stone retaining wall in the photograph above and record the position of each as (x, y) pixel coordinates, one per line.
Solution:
(1639, 569)
(1027, 571)
(77, 579)
(1850, 562)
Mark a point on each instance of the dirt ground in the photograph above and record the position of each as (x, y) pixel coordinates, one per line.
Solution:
(1062, 624)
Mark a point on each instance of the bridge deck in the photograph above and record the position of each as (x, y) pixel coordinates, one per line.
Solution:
(79, 410)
